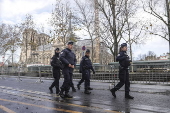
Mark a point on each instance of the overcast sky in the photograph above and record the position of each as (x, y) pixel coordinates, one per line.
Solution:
(14, 11)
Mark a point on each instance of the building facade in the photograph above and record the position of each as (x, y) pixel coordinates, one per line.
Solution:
(165, 56)
(36, 49)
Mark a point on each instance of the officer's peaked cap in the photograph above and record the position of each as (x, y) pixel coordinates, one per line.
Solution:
(123, 45)
(87, 51)
(57, 49)
(70, 43)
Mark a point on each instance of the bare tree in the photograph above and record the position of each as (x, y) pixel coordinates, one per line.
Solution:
(61, 22)
(14, 39)
(149, 56)
(161, 11)
(3, 38)
(140, 58)
(86, 20)
(151, 53)
(133, 31)
(112, 21)
(152, 7)
(28, 33)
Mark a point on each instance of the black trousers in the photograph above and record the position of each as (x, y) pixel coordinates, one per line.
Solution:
(85, 77)
(68, 80)
(124, 79)
(56, 76)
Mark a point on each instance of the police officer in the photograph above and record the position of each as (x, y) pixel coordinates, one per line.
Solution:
(85, 67)
(56, 67)
(124, 62)
(68, 59)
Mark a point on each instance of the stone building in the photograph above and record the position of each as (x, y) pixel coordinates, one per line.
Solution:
(165, 56)
(37, 50)
(100, 53)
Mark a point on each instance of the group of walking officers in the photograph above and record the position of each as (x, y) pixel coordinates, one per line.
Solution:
(66, 61)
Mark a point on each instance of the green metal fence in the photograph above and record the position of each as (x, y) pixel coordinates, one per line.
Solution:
(145, 73)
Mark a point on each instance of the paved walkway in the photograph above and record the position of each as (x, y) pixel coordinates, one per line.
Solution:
(27, 96)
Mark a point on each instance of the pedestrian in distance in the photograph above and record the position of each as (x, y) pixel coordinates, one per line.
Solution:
(56, 67)
(85, 67)
(68, 58)
(124, 62)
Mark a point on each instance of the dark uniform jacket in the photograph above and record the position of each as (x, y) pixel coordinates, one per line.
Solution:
(67, 57)
(57, 65)
(86, 64)
(123, 59)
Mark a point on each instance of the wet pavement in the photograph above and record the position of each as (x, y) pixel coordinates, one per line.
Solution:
(27, 96)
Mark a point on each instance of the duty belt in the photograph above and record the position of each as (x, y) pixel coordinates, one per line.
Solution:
(123, 67)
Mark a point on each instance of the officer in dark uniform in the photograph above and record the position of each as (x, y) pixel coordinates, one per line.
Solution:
(56, 67)
(68, 59)
(85, 67)
(124, 62)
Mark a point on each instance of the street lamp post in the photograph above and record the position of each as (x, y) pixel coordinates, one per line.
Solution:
(168, 14)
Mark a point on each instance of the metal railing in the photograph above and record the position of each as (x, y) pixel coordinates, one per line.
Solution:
(150, 73)
(147, 73)
(139, 73)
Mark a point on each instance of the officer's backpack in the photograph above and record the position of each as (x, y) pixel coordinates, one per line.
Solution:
(56, 63)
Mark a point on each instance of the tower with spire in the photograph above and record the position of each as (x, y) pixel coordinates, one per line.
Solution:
(97, 38)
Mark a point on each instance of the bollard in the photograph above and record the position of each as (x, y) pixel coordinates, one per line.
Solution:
(39, 80)
(113, 78)
(114, 74)
(2, 77)
(52, 72)
(19, 69)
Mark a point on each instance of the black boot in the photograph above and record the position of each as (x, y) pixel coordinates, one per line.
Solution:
(57, 90)
(129, 97)
(86, 91)
(62, 93)
(113, 92)
(90, 88)
(78, 86)
(68, 96)
(51, 90)
(73, 89)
